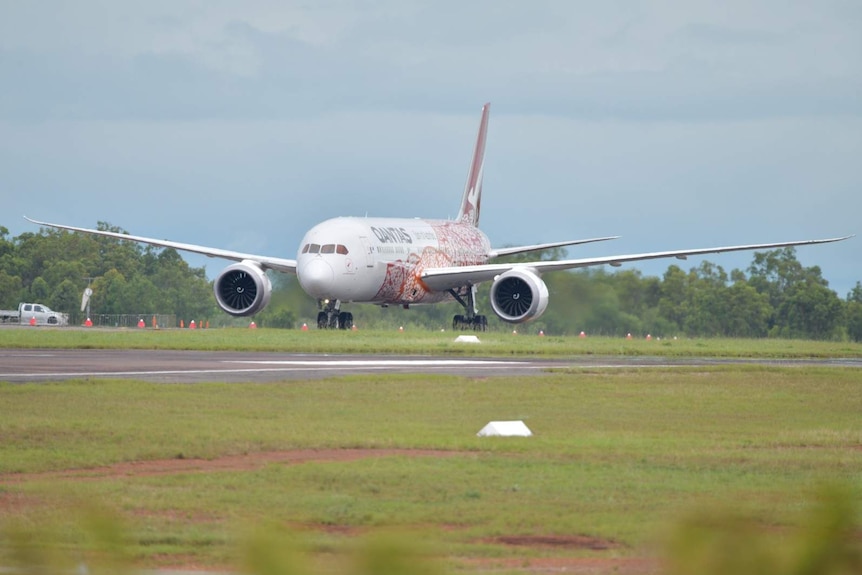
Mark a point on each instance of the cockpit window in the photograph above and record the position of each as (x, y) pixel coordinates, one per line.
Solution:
(325, 249)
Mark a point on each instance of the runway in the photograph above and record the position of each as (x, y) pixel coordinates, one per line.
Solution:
(25, 366)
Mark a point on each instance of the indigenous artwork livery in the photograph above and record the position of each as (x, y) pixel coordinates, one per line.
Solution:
(394, 261)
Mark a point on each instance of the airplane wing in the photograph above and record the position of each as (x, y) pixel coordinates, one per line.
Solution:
(500, 252)
(278, 264)
(441, 279)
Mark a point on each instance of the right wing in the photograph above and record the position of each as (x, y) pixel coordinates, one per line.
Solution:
(278, 264)
(442, 279)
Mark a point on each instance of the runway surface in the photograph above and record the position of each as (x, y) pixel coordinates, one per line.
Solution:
(23, 366)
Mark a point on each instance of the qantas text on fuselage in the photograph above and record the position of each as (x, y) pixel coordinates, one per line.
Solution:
(395, 261)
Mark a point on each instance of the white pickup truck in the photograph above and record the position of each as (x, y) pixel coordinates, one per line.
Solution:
(27, 312)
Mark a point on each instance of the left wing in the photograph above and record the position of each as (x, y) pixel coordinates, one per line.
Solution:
(278, 264)
(500, 252)
(441, 279)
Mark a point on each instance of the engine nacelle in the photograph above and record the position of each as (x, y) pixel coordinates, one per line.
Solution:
(242, 289)
(519, 295)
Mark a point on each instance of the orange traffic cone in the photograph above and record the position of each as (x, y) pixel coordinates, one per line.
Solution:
(141, 323)
(252, 325)
(304, 327)
(88, 323)
(32, 321)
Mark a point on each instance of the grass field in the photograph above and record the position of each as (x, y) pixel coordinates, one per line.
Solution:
(424, 343)
(187, 474)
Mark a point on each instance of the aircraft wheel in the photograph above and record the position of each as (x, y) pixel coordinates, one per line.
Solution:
(345, 320)
(321, 320)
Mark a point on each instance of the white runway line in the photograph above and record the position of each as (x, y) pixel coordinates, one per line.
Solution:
(283, 366)
(378, 362)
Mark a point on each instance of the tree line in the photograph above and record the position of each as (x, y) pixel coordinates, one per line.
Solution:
(54, 267)
(775, 297)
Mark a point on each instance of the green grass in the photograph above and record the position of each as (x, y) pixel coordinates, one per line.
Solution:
(422, 343)
(616, 455)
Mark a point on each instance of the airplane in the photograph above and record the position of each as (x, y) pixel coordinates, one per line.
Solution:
(400, 261)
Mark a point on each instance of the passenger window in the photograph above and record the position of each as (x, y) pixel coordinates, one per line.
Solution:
(328, 249)
(37, 308)
(341, 249)
(28, 307)
(314, 248)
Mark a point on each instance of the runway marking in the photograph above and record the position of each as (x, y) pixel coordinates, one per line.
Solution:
(377, 362)
(284, 367)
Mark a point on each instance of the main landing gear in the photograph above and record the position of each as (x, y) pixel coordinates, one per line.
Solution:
(330, 316)
(472, 320)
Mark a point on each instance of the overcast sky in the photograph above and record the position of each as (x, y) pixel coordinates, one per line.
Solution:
(241, 124)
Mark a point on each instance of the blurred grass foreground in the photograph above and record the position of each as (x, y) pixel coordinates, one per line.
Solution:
(827, 541)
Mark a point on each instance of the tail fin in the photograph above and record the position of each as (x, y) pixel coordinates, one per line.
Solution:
(472, 200)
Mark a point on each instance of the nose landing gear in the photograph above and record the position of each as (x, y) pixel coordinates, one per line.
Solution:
(330, 316)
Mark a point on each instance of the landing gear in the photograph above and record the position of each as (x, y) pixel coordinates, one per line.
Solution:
(345, 320)
(472, 320)
(331, 318)
(476, 323)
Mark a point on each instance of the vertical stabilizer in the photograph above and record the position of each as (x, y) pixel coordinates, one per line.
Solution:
(472, 200)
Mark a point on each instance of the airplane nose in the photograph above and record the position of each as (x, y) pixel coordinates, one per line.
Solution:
(316, 278)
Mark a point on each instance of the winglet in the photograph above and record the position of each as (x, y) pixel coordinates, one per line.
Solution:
(472, 199)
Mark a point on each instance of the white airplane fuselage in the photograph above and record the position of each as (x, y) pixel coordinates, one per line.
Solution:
(381, 260)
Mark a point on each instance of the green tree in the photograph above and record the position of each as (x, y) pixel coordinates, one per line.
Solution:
(854, 320)
(10, 290)
(57, 271)
(809, 310)
(802, 303)
(706, 302)
(66, 297)
(673, 298)
(748, 312)
(40, 290)
(109, 292)
(6, 246)
(181, 288)
(140, 296)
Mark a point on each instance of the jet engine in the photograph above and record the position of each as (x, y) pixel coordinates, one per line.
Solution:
(519, 295)
(242, 289)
